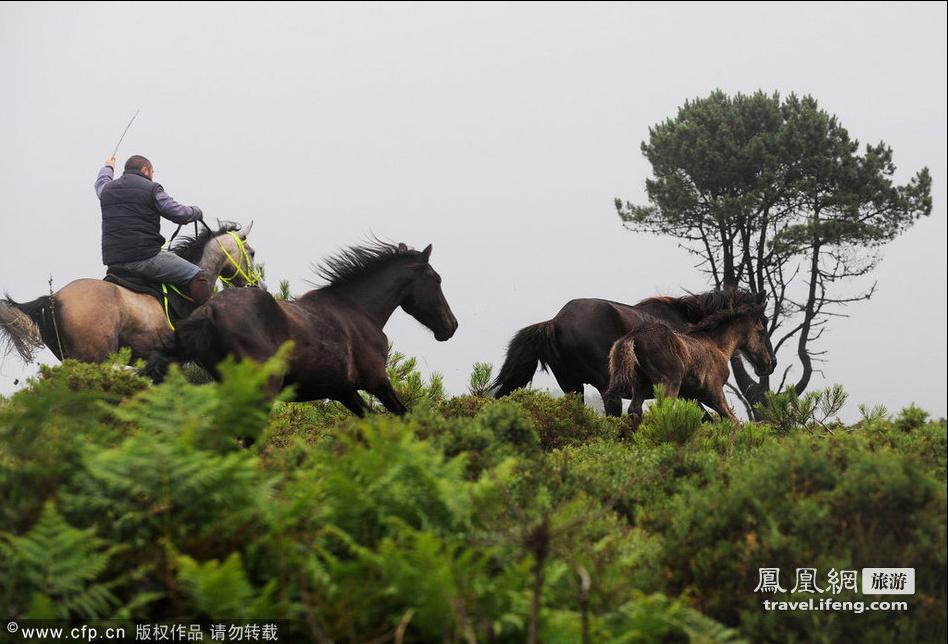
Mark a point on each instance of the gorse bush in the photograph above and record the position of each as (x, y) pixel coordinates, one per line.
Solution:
(470, 519)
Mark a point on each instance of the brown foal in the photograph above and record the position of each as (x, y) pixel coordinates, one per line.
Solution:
(692, 364)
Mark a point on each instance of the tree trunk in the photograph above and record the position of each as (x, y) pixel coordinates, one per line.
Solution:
(752, 390)
(808, 313)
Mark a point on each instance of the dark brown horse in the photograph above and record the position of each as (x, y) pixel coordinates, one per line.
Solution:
(575, 343)
(692, 364)
(336, 330)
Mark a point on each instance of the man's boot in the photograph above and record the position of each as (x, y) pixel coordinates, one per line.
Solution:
(200, 288)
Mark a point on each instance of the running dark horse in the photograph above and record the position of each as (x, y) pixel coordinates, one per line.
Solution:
(90, 319)
(336, 330)
(575, 343)
(692, 364)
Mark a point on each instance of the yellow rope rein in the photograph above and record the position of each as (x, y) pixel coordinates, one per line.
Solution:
(250, 278)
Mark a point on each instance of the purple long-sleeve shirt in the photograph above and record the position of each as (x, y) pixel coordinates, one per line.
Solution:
(167, 207)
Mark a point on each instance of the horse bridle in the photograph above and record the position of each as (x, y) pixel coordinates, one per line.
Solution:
(250, 279)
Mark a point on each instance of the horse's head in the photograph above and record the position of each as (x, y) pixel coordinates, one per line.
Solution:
(238, 259)
(425, 301)
(756, 345)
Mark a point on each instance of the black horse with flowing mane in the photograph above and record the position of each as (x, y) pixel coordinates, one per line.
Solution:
(338, 343)
(575, 343)
(90, 319)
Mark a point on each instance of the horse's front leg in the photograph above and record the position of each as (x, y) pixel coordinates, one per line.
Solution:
(354, 403)
(718, 402)
(611, 404)
(635, 408)
(386, 394)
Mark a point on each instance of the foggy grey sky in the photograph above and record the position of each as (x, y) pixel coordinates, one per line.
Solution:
(500, 133)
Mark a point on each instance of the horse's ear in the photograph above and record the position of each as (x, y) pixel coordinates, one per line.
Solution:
(426, 253)
(246, 231)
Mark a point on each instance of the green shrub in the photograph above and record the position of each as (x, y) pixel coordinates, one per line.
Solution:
(670, 420)
(509, 423)
(656, 618)
(725, 438)
(826, 504)
(463, 406)
(44, 431)
(481, 377)
(911, 418)
(409, 384)
(309, 422)
(565, 420)
(115, 379)
(787, 411)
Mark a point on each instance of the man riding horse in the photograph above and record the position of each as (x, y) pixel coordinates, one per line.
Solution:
(90, 319)
(132, 206)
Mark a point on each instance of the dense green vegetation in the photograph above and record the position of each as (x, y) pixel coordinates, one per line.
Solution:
(468, 520)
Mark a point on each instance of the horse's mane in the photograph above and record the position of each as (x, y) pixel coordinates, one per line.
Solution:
(720, 318)
(695, 307)
(353, 263)
(191, 247)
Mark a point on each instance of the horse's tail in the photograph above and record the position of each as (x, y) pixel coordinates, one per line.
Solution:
(622, 366)
(533, 344)
(195, 340)
(27, 328)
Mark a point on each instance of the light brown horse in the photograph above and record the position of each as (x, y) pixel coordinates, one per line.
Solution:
(692, 364)
(89, 319)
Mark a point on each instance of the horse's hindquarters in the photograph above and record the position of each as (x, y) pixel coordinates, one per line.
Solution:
(97, 318)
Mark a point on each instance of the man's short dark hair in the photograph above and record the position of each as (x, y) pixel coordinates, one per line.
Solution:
(136, 162)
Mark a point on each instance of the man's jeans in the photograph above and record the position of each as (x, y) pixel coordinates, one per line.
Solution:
(163, 267)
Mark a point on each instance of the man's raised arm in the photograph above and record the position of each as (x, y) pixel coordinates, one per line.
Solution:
(105, 175)
(171, 209)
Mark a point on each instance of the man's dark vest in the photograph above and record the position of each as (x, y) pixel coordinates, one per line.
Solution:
(131, 225)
